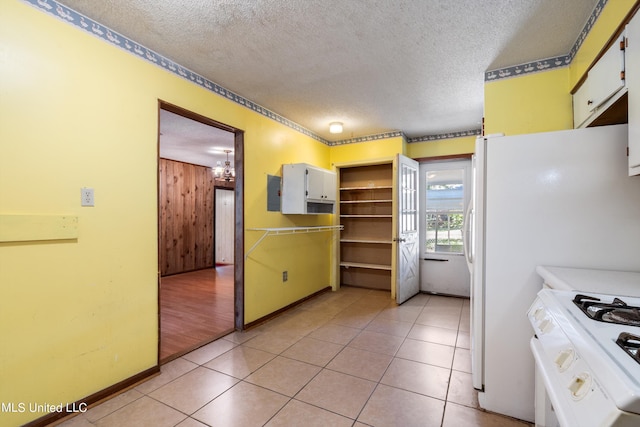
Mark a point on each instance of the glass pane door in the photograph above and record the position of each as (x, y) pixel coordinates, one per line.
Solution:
(443, 201)
(444, 211)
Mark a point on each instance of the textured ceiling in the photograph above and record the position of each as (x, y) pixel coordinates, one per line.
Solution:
(193, 142)
(415, 66)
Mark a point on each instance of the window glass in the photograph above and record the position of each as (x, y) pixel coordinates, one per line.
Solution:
(444, 210)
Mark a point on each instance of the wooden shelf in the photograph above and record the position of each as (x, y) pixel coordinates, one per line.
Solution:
(25, 228)
(364, 265)
(377, 187)
(373, 241)
(366, 216)
(366, 201)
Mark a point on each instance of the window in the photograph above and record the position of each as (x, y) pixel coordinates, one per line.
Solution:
(444, 210)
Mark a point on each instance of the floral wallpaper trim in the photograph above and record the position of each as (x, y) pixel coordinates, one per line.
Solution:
(72, 17)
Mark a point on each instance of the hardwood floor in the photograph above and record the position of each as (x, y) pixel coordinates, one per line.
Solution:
(195, 308)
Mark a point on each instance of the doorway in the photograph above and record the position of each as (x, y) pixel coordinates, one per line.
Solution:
(199, 299)
(443, 202)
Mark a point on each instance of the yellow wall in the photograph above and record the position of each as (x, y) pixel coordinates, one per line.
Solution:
(77, 316)
(369, 150)
(306, 257)
(441, 147)
(538, 102)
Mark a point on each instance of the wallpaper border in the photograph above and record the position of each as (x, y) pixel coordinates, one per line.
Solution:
(114, 38)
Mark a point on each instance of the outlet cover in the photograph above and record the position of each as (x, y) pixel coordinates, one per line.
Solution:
(86, 197)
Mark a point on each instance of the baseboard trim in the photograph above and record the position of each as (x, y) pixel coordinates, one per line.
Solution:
(283, 309)
(95, 398)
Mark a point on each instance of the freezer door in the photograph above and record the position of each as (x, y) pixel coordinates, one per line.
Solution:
(477, 273)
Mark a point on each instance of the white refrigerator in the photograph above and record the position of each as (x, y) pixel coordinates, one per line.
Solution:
(559, 199)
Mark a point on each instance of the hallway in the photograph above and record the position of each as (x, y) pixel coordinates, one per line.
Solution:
(346, 358)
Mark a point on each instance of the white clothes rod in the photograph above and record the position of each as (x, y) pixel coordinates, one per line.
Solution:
(290, 230)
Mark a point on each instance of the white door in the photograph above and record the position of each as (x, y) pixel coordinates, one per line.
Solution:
(407, 247)
(224, 227)
(443, 266)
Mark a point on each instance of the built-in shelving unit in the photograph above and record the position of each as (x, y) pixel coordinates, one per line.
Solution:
(366, 213)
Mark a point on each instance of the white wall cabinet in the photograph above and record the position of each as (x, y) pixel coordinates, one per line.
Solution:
(307, 189)
(604, 85)
(633, 86)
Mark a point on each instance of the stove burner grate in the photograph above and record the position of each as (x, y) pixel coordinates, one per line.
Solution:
(630, 344)
(617, 311)
(623, 316)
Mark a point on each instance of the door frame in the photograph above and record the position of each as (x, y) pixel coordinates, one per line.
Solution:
(238, 207)
(450, 162)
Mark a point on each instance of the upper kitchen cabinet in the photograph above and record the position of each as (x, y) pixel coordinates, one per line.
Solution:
(610, 94)
(307, 189)
(598, 97)
(632, 32)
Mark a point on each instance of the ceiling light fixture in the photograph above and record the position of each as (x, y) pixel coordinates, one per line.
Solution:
(335, 127)
(226, 173)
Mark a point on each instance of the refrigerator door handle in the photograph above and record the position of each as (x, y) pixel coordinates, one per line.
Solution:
(465, 238)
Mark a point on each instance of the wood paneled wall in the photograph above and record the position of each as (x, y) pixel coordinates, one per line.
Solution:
(186, 217)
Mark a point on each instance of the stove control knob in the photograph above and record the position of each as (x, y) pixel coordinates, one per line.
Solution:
(538, 314)
(580, 385)
(545, 326)
(564, 359)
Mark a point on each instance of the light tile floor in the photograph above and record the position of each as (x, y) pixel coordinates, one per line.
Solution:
(346, 358)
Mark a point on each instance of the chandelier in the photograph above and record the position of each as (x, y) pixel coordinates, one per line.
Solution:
(226, 172)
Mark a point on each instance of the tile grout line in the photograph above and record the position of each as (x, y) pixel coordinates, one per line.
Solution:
(374, 307)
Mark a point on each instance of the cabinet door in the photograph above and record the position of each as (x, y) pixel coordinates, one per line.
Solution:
(605, 78)
(329, 184)
(633, 84)
(321, 185)
(581, 105)
(315, 184)
(293, 189)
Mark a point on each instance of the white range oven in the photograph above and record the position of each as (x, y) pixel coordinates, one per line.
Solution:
(587, 354)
